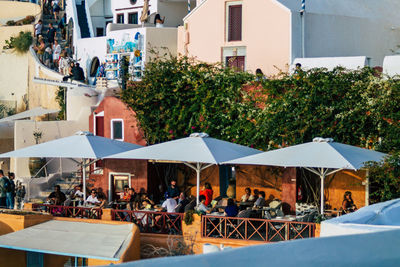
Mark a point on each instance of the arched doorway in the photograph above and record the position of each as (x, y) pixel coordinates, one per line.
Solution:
(94, 65)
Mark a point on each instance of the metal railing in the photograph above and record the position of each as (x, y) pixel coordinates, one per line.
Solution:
(151, 221)
(69, 211)
(254, 229)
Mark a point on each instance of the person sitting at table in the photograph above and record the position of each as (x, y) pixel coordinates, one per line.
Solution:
(144, 197)
(169, 204)
(231, 210)
(207, 192)
(145, 205)
(256, 192)
(173, 190)
(75, 194)
(57, 197)
(125, 193)
(260, 202)
(247, 197)
(132, 198)
(182, 202)
(202, 206)
(348, 205)
(92, 199)
(102, 201)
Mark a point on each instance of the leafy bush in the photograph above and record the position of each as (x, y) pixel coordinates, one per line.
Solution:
(11, 23)
(21, 43)
(28, 20)
(384, 179)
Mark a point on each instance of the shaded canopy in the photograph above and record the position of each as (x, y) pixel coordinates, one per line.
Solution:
(81, 145)
(321, 153)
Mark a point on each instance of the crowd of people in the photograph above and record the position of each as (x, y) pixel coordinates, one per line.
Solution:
(11, 194)
(50, 51)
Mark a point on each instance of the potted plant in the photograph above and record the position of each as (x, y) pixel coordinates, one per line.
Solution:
(35, 163)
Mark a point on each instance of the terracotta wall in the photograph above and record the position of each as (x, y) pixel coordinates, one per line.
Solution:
(345, 181)
(114, 108)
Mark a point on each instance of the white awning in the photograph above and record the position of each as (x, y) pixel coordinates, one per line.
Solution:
(74, 239)
(35, 112)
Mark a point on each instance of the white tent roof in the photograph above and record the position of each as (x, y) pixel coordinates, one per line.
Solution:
(373, 249)
(316, 154)
(81, 145)
(377, 217)
(197, 148)
(78, 239)
(39, 111)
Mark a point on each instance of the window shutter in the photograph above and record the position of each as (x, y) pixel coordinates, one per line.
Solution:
(235, 23)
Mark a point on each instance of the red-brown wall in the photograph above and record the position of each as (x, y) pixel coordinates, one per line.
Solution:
(114, 108)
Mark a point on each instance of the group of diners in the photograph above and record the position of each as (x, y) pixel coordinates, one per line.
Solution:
(174, 200)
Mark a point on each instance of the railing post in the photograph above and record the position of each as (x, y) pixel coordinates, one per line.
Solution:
(107, 215)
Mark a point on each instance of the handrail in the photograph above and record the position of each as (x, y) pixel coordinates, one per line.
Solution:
(249, 229)
(69, 211)
(151, 221)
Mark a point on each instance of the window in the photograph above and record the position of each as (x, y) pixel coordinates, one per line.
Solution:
(235, 62)
(120, 18)
(34, 259)
(133, 18)
(234, 23)
(117, 129)
(99, 32)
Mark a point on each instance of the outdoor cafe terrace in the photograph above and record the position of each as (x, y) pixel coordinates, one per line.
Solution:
(214, 226)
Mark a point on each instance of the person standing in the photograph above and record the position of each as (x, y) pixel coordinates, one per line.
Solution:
(51, 34)
(10, 195)
(56, 53)
(173, 190)
(3, 189)
(38, 28)
(20, 195)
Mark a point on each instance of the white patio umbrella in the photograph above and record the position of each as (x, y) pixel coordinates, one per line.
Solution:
(198, 151)
(82, 145)
(322, 157)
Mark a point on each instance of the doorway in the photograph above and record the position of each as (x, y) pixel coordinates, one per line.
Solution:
(117, 181)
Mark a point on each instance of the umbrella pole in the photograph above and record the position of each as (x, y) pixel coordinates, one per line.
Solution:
(323, 173)
(84, 178)
(198, 183)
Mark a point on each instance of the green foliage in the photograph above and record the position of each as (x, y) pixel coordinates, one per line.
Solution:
(28, 20)
(6, 111)
(385, 179)
(11, 23)
(60, 98)
(21, 43)
(178, 96)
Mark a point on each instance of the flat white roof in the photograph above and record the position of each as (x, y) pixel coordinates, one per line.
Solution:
(75, 239)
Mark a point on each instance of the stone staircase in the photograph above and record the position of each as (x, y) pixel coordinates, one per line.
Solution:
(82, 20)
(67, 184)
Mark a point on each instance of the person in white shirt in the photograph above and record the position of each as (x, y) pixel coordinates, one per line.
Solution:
(38, 28)
(92, 199)
(169, 204)
(247, 197)
(202, 207)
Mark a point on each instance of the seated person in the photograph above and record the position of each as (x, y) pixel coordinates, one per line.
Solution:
(57, 197)
(144, 197)
(247, 197)
(182, 202)
(146, 205)
(125, 193)
(92, 199)
(103, 202)
(77, 193)
(256, 192)
(169, 204)
(132, 199)
(207, 192)
(231, 210)
(260, 202)
(348, 205)
(202, 206)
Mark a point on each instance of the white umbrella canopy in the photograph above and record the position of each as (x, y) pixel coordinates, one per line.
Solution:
(198, 151)
(322, 157)
(83, 145)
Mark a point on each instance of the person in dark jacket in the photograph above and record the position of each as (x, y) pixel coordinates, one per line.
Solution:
(77, 73)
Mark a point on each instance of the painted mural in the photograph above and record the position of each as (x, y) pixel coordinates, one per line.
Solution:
(129, 46)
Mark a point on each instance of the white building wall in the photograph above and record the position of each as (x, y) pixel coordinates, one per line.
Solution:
(341, 36)
(125, 7)
(174, 12)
